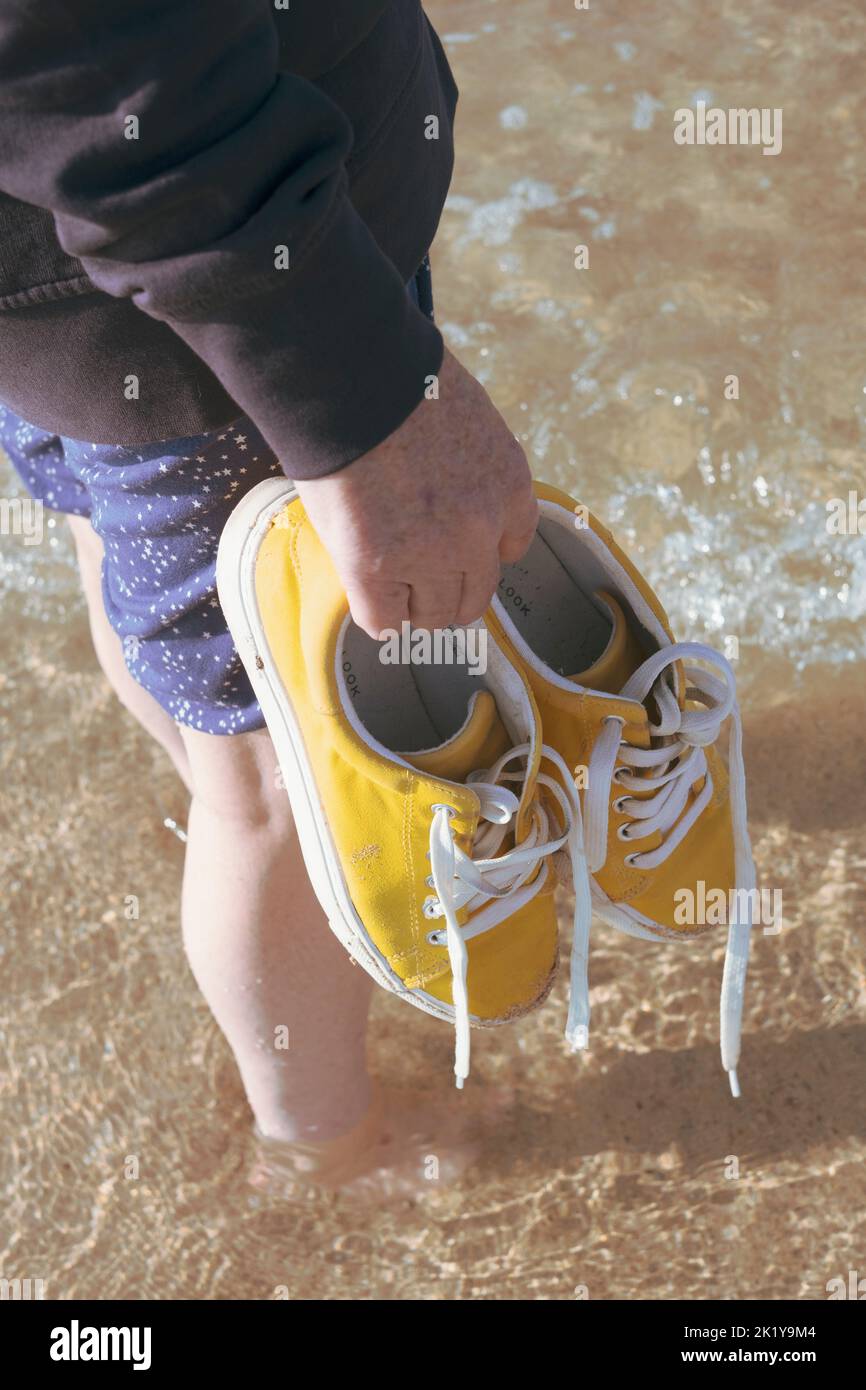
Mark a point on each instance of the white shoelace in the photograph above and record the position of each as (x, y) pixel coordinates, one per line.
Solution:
(677, 761)
(461, 881)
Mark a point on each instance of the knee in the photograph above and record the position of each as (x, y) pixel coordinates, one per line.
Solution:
(266, 817)
(238, 781)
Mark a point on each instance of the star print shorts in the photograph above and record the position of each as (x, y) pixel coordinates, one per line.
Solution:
(160, 510)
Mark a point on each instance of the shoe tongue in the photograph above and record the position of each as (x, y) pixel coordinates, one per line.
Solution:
(482, 739)
(620, 658)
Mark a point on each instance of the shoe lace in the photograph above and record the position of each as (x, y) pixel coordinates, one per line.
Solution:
(471, 881)
(480, 881)
(665, 774)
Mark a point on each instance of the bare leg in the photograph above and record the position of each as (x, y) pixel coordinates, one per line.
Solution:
(262, 951)
(257, 940)
(265, 958)
(266, 961)
(109, 651)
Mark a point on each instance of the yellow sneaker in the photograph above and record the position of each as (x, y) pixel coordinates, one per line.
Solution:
(415, 787)
(663, 821)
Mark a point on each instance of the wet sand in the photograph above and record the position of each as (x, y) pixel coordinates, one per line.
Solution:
(613, 1172)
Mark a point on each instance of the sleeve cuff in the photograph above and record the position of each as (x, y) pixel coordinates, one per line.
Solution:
(330, 359)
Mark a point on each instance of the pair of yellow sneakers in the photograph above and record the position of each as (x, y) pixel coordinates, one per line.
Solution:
(438, 786)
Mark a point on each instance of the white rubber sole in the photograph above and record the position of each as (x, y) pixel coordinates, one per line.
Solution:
(235, 576)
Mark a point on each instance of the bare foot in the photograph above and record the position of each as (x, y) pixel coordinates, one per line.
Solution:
(416, 1146)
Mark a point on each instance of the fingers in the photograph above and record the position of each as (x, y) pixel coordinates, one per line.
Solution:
(430, 600)
(434, 602)
(430, 603)
(520, 526)
(479, 586)
(376, 605)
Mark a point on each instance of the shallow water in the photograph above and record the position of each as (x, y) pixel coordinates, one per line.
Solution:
(611, 1171)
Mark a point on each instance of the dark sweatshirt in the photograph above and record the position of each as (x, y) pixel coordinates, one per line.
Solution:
(210, 207)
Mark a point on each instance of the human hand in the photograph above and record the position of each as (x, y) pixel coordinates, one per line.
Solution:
(419, 527)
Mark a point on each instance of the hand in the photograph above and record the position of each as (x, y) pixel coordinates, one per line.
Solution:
(419, 527)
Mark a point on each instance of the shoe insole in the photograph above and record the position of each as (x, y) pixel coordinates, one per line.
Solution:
(555, 615)
(406, 707)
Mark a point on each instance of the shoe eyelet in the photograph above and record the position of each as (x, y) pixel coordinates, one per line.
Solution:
(608, 718)
(631, 859)
(429, 908)
(441, 806)
(428, 882)
(622, 831)
(435, 938)
(618, 806)
(617, 775)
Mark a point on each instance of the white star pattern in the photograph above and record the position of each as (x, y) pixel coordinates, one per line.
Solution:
(160, 553)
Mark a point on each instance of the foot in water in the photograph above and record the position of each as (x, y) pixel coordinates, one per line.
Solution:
(403, 1147)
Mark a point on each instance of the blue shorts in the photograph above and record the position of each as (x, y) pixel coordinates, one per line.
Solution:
(160, 510)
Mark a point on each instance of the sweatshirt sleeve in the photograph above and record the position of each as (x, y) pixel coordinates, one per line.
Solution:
(190, 175)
